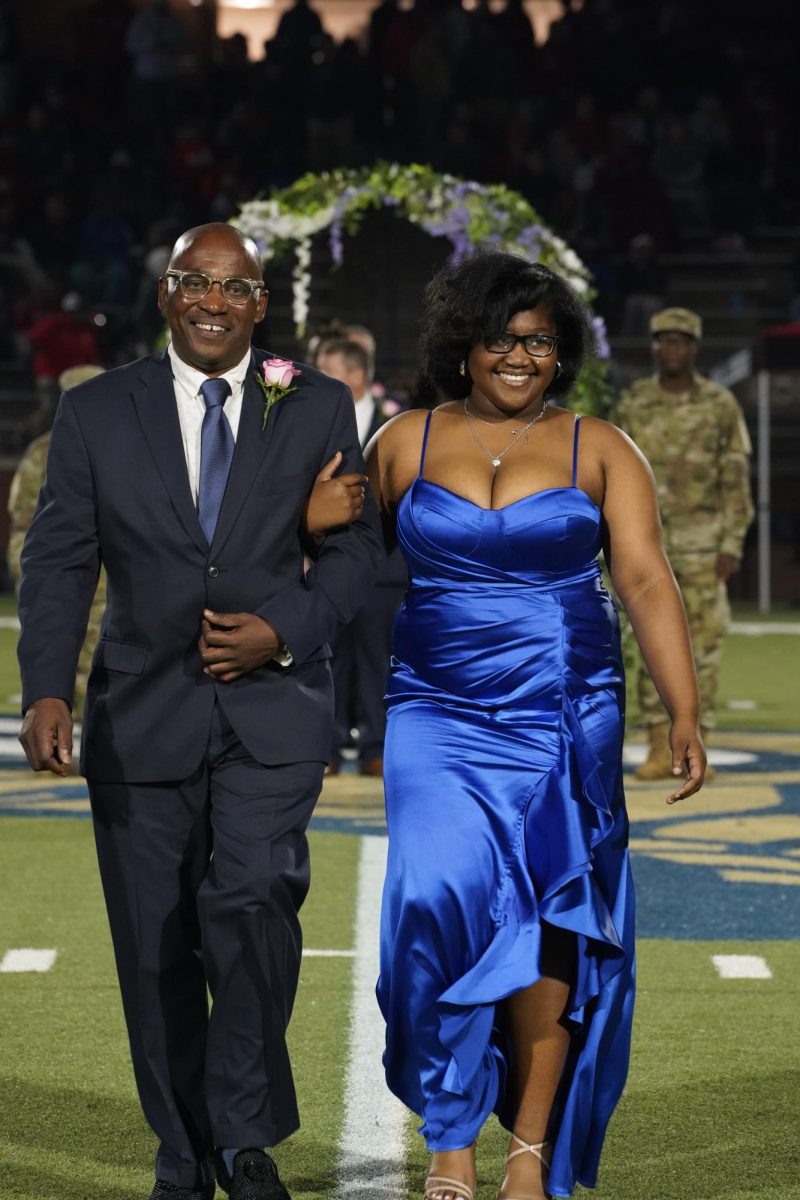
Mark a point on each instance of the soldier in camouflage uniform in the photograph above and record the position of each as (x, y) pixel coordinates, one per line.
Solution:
(693, 435)
(22, 499)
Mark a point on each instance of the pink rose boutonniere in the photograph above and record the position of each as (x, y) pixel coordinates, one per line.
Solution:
(275, 378)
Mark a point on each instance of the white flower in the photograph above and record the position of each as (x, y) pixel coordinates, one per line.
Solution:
(301, 285)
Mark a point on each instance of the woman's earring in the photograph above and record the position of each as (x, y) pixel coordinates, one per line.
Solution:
(558, 370)
(462, 368)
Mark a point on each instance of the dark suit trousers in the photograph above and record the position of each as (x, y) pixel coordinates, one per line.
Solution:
(203, 881)
(360, 668)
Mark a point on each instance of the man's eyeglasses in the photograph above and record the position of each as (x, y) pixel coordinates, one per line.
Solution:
(195, 285)
(538, 345)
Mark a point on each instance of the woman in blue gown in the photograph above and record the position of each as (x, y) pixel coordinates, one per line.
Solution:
(507, 954)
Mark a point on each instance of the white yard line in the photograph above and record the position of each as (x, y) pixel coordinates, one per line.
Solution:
(372, 1144)
(17, 961)
(329, 953)
(741, 966)
(761, 628)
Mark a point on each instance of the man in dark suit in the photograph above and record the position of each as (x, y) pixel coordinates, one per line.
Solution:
(209, 705)
(362, 649)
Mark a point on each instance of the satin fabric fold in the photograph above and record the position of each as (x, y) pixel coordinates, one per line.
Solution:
(505, 809)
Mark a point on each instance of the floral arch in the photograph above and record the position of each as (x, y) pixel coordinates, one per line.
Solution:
(468, 214)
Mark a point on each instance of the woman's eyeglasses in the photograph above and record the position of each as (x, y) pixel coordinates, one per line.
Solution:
(538, 345)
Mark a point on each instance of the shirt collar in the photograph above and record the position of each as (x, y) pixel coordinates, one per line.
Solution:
(191, 379)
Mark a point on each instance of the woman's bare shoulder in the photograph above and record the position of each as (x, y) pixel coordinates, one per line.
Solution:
(609, 440)
(400, 432)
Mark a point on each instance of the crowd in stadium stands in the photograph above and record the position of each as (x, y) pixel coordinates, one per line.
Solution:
(632, 125)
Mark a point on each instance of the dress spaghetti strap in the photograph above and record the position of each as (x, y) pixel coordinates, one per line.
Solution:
(575, 450)
(425, 441)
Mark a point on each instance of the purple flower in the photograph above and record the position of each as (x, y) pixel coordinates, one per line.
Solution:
(336, 242)
(530, 238)
(601, 346)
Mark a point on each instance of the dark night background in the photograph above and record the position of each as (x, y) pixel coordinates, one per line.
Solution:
(659, 139)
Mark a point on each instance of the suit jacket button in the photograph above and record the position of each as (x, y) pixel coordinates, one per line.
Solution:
(213, 571)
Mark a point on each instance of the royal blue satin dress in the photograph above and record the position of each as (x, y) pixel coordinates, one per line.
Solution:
(505, 808)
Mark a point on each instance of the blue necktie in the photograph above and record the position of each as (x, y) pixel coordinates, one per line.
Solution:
(216, 452)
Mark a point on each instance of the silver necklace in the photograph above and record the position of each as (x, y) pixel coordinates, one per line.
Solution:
(516, 434)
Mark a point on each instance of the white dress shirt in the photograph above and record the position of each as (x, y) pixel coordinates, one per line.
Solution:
(192, 407)
(365, 411)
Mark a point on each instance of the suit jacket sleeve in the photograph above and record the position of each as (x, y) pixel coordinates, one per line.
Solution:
(312, 613)
(60, 566)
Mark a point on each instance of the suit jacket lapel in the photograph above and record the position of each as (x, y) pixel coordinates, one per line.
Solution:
(252, 441)
(154, 399)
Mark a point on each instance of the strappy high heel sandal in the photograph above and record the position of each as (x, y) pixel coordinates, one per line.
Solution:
(443, 1183)
(535, 1148)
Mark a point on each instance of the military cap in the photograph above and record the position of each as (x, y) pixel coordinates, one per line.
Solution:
(75, 375)
(677, 320)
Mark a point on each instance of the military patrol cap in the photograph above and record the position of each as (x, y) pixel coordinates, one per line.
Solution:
(677, 320)
(75, 375)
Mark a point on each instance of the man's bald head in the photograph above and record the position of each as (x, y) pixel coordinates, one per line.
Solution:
(218, 230)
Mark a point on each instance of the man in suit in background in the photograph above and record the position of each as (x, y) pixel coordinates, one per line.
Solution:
(362, 650)
(209, 705)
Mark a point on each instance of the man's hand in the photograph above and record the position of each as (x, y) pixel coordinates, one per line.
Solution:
(333, 501)
(727, 565)
(46, 736)
(233, 644)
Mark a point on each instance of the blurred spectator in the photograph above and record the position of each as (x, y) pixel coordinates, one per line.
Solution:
(641, 286)
(63, 339)
(361, 653)
(299, 33)
(330, 104)
(148, 324)
(156, 42)
(101, 272)
(678, 163)
(59, 341)
(57, 234)
(20, 273)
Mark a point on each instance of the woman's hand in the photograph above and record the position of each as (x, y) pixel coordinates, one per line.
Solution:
(333, 501)
(688, 758)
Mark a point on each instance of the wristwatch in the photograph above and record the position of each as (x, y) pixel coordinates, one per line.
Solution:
(283, 656)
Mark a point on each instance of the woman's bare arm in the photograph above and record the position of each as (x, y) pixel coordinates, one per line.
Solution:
(645, 584)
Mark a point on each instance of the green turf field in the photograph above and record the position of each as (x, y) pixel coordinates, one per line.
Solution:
(711, 1106)
(710, 1110)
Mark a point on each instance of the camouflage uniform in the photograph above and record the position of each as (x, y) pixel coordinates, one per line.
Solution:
(698, 447)
(22, 500)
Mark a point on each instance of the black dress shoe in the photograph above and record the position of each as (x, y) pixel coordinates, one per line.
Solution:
(174, 1191)
(255, 1177)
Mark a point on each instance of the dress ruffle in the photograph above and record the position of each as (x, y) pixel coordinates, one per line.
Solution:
(572, 899)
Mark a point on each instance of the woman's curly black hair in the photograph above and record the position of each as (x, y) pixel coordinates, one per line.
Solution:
(466, 302)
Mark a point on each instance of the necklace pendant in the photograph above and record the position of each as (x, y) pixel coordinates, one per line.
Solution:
(495, 462)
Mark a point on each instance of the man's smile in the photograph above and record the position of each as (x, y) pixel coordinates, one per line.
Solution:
(209, 328)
